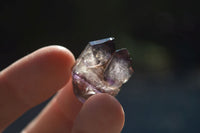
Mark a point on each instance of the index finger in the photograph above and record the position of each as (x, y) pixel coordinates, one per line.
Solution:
(32, 80)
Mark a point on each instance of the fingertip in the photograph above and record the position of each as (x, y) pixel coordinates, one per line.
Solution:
(60, 51)
(48, 70)
(56, 59)
(55, 55)
(100, 113)
(109, 107)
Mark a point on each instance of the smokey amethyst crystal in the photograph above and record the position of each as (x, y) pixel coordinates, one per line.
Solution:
(101, 69)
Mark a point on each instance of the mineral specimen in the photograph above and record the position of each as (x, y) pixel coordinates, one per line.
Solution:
(101, 69)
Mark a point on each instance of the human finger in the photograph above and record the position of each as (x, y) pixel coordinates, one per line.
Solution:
(101, 113)
(31, 80)
(59, 115)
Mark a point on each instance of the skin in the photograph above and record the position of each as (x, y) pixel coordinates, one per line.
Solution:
(43, 73)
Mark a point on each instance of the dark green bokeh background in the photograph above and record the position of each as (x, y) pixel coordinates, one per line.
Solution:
(162, 37)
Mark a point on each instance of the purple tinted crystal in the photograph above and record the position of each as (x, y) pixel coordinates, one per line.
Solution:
(119, 69)
(101, 69)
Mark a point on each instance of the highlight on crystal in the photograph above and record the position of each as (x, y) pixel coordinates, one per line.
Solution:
(101, 69)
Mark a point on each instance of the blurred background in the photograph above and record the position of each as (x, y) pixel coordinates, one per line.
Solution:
(163, 96)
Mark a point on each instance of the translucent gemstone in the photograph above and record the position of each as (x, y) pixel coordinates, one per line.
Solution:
(101, 69)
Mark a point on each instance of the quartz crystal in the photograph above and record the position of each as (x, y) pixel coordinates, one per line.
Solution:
(101, 69)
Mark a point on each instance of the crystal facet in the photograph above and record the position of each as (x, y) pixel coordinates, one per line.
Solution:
(101, 69)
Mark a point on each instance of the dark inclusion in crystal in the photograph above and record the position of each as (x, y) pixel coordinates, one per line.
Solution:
(101, 69)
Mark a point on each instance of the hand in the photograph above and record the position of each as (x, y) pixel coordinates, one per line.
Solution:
(35, 78)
